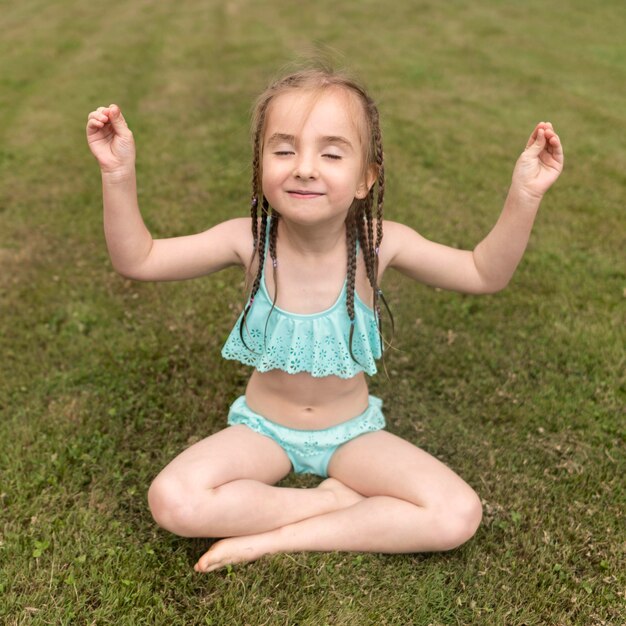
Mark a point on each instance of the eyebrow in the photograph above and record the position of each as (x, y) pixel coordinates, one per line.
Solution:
(342, 141)
(280, 138)
(283, 137)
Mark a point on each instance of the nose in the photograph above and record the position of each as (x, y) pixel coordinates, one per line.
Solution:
(305, 167)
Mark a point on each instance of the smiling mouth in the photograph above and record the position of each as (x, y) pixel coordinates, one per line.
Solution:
(304, 194)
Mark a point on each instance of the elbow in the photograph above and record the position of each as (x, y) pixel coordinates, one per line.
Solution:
(490, 276)
(131, 261)
(131, 273)
(133, 269)
(490, 285)
(491, 282)
(495, 287)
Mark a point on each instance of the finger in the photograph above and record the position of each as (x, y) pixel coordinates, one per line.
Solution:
(556, 148)
(115, 108)
(533, 135)
(97, 129)
(95, 115)
(535, 148)
(550, 134)
(118, 121)
(554, 139)
(96, 121)
(554, 151)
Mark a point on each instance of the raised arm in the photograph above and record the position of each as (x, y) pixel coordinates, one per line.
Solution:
(490, 266)
(132, 250)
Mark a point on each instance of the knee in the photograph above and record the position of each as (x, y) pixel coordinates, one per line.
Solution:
(460, 520)
(172, 506)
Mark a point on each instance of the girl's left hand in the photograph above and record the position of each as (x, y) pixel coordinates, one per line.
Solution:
(541, 162)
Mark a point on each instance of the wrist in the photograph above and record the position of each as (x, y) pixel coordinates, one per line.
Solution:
(118, 175)
(525, 195)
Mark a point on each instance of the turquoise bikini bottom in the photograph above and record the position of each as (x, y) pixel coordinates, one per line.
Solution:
(309, 450)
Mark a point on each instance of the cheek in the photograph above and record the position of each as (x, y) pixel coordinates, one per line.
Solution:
(353, 183)
(272, 169)
(265, 173)
(271, 181)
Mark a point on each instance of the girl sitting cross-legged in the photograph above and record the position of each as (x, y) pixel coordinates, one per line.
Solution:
(314, 250)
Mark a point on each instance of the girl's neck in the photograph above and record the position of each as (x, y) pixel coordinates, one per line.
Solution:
(313, 241)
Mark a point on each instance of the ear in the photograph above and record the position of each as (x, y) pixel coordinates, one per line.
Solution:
(366, 184)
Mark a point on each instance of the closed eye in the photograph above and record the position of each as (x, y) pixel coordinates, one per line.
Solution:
(283, 152)
(335, 157)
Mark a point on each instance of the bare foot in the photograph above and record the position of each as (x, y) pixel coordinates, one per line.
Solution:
(249, 548)
(234, 550)
(345, 496)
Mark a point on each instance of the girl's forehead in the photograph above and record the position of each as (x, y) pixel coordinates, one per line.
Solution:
(328, 111)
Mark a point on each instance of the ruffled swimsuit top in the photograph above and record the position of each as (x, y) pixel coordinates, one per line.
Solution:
(317, 343)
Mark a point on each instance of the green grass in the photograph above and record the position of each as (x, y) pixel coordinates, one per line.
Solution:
(103, 381)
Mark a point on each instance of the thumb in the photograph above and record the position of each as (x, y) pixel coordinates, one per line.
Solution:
(535, 148)
(117, 120)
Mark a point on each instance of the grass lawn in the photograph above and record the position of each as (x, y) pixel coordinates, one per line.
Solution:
(103, 381)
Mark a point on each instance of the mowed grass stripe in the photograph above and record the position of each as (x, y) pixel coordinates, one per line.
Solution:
(104, 381)
(119, 53)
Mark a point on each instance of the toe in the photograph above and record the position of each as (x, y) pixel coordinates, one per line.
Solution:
(204, 562)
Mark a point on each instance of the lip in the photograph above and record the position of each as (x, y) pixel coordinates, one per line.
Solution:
(304, 193)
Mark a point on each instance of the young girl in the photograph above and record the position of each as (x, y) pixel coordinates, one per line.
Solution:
(314, 255)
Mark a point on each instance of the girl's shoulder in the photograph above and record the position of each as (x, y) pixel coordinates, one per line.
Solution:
(238, 235)
(395, 237)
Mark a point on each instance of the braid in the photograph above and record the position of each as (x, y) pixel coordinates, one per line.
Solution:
(257, 280)
(351, 238)
(380, 164)
(254, 202)
(256, 176)
(360, 219)
(362, 238)
(365, 225)
(258, 239)
(370, 226)
(273, 237)
(272, 246)
(365, 218)
(261, 247)
(351, 245)
(371, 261)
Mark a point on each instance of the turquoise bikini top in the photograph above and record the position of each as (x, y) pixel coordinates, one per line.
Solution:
(317, 343)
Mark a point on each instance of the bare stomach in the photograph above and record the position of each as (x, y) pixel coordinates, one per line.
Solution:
(306, 403)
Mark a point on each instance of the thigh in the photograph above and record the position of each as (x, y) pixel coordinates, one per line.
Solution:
(381, 463)
(230, 454)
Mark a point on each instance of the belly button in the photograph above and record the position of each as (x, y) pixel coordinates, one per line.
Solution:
(308, 409)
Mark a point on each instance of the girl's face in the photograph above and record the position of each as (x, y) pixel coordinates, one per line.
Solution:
(312, 165)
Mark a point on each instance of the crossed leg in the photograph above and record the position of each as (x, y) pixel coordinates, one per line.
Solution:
(411, 503)
(222, 487)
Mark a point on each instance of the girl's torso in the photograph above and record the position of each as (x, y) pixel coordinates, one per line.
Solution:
(304, 402)
(300, 400)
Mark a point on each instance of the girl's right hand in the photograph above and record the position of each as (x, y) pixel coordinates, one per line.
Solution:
(111, 141)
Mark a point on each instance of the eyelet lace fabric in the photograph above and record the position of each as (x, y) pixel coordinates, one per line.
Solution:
(318, 343)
